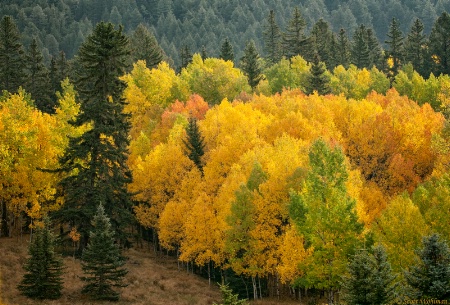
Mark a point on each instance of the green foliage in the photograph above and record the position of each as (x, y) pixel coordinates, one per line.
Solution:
(294, 39)
(272, 39)
(430, 276)
(438, 45)
(360, 49)
(226, 51)
(43, 279)
(370, 280)
(194, 143)
(250, 65)
(102, 261)
(395, 50)
(319, 80)
(96, 161)
(145, 47)
(325, 214)
(12, 62)
(228, 298)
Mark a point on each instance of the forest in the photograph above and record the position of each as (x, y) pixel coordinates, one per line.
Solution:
(300, 163)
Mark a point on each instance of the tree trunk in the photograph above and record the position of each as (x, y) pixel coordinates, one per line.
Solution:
(255, 288)
(330, 297)
(4, 221)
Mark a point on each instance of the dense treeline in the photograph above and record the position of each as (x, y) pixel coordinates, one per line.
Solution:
(64, 24)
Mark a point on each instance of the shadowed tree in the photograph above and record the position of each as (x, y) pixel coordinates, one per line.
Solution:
(226, 51)
(395, 50)
(145, 47)
(272, 39)
(439, 43)
(294, 39)
(318, 80)
(96, 161)
(415, 46)
(12, 63)
(43, 277)
(194, 144)
(360, 55)
(250, 65)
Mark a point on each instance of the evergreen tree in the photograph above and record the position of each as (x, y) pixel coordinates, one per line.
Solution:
(294, 39)
(415, 46)
(318, 79)
(226, 51)
(194, 143)
(360, 50)
(322, 40)
(42, 279)
(185, 56)
(12, 63)
(430, 277)
(375, 52)
(439, 45)
(342, 56)
(370, 280)
(382, 278)
(37, 81)
(145, 47)
(96, 160)
(228, 298)
(203, 53)
(102, 261)
(272, 39)
(394, 53)
(250, 65)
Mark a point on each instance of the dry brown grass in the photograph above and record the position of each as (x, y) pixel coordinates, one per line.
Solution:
(151, 280)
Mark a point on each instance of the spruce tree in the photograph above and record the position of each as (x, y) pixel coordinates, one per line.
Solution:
(203, 53)
(294, 39)
(185, 56)
(318, 79)
(250, 65)
(226, 51)
(145, 47)
(415, 46)
(38, 81)
(370, 280)
(272, 39)
(101, 261)
(322, 39)
(342, 56)
(228, 298)
(96, 160)
(360, 55)
(395, 50)
(430, 277)
(194, 143)
(439, 45)
(42, 279)
(12, 63)
(375, 52)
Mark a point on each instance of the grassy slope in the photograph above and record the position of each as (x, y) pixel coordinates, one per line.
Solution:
(151, 280)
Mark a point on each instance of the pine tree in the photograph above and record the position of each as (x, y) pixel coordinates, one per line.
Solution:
(415, 46)
(375, 52)
(394, 53)
(185, 56)
(101, 261)
(430, 277)
(145, 47)
(272, 39)
(228, 298)
(439, 45)
(12, 63)
(194, 143)
(226, 51)
(322, 38)
(37, 81)
(96, 160)
(382, 278)
(44, 268)
(318, 80)
(250, 65)
(358, 284)
(342, 55)
(294, 39)
(203, 53)
(360, 55)
(370, 279)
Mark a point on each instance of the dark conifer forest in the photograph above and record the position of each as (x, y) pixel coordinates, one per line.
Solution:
(62, 25)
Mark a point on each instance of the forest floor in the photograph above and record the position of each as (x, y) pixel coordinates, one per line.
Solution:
(152, 279)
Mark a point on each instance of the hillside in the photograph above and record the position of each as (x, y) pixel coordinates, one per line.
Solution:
(152, 279)
(64, 24)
